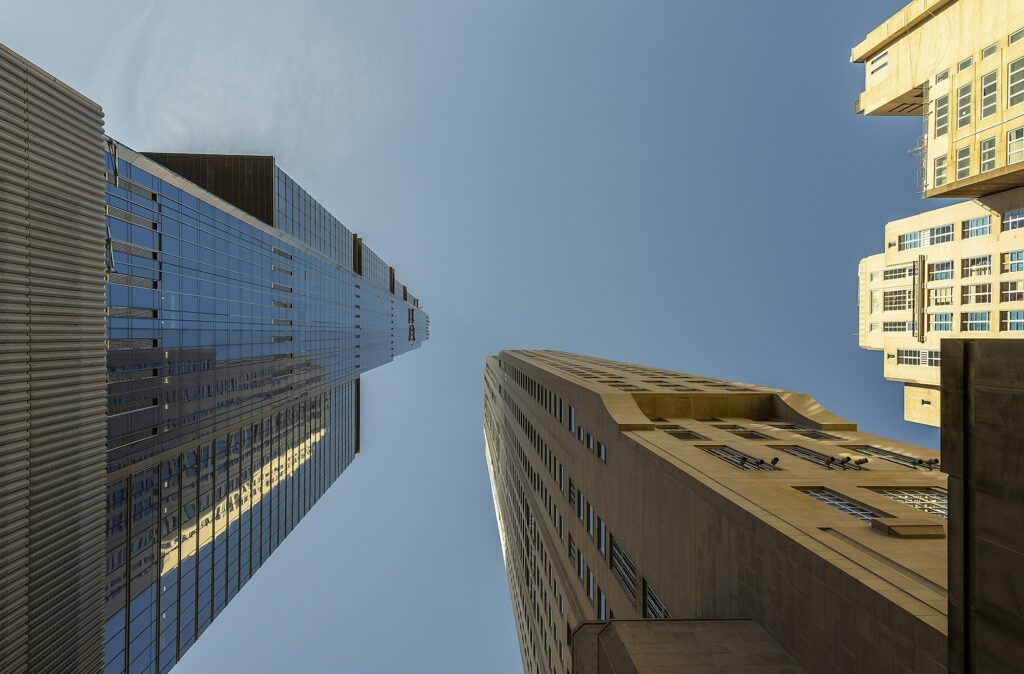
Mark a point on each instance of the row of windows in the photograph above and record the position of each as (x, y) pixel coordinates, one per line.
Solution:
(979, 226)
(987, 150)
(987, 52)
(989, 98)
(928, 499)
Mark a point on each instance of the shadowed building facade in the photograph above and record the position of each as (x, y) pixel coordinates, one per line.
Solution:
(186, 350)
(628, 493)
(982, 400)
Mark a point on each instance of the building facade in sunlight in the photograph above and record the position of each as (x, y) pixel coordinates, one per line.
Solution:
(956, 271)
(216, 407)
(626, 493)
(958, 66)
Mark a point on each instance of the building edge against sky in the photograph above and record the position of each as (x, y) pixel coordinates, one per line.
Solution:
(625, 492)
(956, 271)
(953, 271)
(219, 403)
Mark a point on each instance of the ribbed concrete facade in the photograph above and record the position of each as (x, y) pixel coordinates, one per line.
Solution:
(53, 369)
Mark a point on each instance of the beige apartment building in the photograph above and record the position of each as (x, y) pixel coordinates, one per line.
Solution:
(959, 64)
(626, 493)
(956, 271)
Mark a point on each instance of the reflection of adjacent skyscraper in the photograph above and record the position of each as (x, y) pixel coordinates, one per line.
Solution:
(626, 492)
(236, 345)
(239, 317)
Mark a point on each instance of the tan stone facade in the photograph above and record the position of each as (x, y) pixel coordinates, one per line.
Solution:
(960, 64)
(956, 271)
(627, 492)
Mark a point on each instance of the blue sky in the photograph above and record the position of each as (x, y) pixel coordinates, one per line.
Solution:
(678, 184)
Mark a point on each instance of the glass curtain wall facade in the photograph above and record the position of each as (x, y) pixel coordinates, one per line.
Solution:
(234, 353)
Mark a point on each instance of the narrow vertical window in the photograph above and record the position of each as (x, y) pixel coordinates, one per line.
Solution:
(1015, 86)
(940, 171)
(989, 94)
(942, 114)
(1015, 146)
(988, 154)
(963, 106)
(963, 163)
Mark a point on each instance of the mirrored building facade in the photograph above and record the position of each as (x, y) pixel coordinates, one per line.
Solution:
(235, 347)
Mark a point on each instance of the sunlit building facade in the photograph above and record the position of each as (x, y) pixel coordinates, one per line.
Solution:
(626, 493)
(240, 316)
(956, 271)
(959, 66)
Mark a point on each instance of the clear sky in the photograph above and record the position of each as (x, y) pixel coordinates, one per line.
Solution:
(679, 184)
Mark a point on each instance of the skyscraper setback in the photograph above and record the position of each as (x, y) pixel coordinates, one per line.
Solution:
(240, 315)
(625, 492)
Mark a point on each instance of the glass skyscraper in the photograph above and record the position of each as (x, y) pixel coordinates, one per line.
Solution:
(240, 315)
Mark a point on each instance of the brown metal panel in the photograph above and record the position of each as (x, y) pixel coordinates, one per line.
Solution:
(52, 373)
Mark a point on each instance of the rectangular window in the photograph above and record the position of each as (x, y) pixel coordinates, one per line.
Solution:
(943, 76)
(942, 115)
(602, 452)
(925, 357)
(1011, 291)
(572, 419)
(899, 326)
(1016, 36)
(1012, 321)
(964, 104)
(602, 534)
(940, 234)
(963, 162)
(654, 609)
(940, 170)
(989, 93)
(940, 322)
(1015, 145)
(1013, 219)
(940, 297)
(1015, 86)
(976, 226)
(898, 300)
(737, 458)
(899, 272)
(590, 519)
(1013, 261)
(580, 503)
(988, 154)
(980, 265)
(842, 503)
(989, 51)
(974, 321)
(980, 293)
(624, 570)
(910, 240)
(940, 271)
(965, 64)
(602, 605)
(928, 499)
